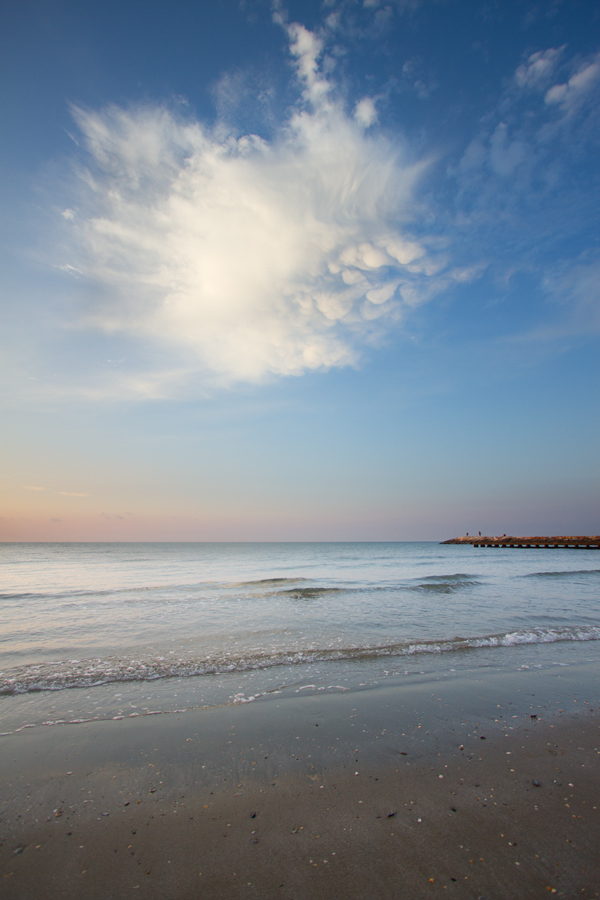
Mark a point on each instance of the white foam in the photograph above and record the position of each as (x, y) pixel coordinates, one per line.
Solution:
(96, 672)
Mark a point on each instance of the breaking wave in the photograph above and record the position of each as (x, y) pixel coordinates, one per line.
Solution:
(267, 582)
(311, 593)
(63, 594)
(444, 584)
(95, 672)
(457, 577)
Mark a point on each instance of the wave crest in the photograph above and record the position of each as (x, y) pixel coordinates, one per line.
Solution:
(566, 574)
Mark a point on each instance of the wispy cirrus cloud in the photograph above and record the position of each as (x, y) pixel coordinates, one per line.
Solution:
(30, 487)
(540, 124)
(527, 183)
(576, 285)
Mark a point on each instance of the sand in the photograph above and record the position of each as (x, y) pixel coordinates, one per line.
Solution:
(467, 788)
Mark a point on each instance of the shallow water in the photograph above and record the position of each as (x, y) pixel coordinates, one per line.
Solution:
(229, 622)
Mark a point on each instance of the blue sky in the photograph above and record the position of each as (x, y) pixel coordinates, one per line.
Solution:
(304, 271)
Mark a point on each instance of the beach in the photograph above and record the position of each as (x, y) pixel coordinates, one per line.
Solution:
(299, 519)
(298, 721)
(484, 784)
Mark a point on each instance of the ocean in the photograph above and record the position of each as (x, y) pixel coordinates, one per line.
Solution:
(108, 631)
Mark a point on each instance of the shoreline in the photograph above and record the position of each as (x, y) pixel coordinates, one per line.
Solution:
(454, 659)
(263, 799)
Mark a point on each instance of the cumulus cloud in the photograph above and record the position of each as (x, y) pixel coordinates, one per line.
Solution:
(249, 257)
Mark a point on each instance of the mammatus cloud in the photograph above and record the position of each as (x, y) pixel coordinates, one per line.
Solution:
(246, 257)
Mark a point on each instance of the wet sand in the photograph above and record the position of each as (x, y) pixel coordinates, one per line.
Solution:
(468, 788)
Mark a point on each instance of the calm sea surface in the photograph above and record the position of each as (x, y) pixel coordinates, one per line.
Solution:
(110, 630)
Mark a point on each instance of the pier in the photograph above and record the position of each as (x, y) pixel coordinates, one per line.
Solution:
(581, 542)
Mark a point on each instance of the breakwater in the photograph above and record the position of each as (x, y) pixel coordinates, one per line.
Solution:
(580, 542)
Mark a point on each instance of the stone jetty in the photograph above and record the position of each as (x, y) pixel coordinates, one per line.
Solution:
(580, 542)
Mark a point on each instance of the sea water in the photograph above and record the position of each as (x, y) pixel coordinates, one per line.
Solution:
(100, 630)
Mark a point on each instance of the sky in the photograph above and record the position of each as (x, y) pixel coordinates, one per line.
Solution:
(307, 271)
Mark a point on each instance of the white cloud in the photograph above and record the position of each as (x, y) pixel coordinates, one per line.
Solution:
(572, 93)
(306, 47)
(538, 68)
(527, 182)
(527, 140)
(247, 257)
(365, 112)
